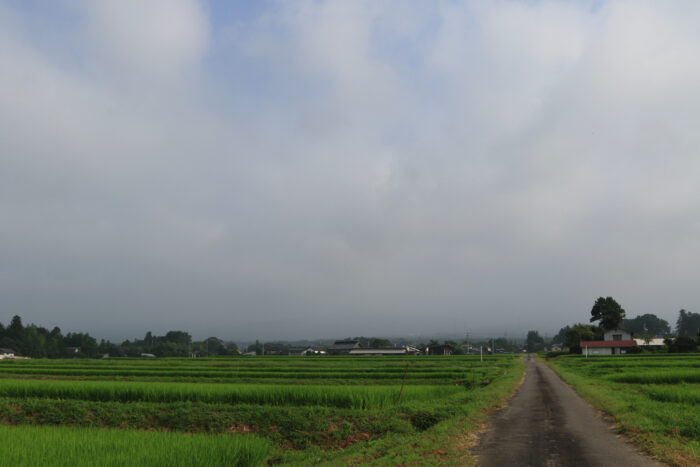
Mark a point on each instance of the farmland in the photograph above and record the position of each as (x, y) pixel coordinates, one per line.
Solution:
(653, 399)
(243, 411)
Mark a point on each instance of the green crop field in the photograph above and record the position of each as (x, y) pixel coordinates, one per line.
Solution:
(653, 397)
(248, 411)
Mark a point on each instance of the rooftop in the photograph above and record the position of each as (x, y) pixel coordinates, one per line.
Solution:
(595, 344)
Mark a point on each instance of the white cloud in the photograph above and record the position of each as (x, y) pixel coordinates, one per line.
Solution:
(156, 39)
(348, 163)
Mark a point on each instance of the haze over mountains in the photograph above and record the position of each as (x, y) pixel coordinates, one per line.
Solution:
(293, 170)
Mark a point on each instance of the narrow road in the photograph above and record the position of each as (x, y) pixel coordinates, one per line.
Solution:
(547, 424)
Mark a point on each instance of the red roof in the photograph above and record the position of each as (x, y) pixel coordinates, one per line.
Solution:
(595, 344)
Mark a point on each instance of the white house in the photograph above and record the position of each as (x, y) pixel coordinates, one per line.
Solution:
(301, 351)
(615, 342)
(7, 353)
(655, 342)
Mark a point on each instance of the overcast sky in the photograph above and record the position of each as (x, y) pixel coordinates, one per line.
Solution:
(305, 169)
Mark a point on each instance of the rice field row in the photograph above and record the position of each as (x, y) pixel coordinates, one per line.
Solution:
(284, 370)
(63, 446)
(219, 370)
(273, 361)
(356, 397)
(670, 376)
(271, 364)
(304, 408)
(456, 374)
(684, 394)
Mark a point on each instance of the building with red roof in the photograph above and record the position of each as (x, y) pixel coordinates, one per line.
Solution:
(615, 342)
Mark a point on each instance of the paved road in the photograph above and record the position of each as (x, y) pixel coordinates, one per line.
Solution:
(547, 424)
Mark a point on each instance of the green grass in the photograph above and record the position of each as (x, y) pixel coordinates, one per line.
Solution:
(446, 443)
(357, 397)
(308, 410)
(336, 370)
(639, 376)
(656, 408)
(684, 394)
(61, 446)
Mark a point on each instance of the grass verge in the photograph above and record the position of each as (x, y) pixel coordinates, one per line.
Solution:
(665, 430)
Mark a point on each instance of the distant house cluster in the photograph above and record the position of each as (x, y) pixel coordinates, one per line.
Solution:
(353, 347)
(303, 351)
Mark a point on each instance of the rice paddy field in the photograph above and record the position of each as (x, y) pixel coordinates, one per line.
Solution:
(653, 398)
(249, 411)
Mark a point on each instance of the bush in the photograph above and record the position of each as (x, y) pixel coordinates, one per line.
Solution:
(683, 344)
(424, 420)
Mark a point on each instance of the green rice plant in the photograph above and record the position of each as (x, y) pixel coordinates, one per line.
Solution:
(685, 394)
(75, 447)
(445, 375)
(663, 420)
(658, 377)
(358, 397)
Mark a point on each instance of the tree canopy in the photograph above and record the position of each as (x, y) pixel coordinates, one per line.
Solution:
(647, 324)
(608, 312)
(688, 323)
(580, 332)
(38, 342)
(534, 342)
(682, 344)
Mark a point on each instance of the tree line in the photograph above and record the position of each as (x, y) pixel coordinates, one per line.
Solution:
(608, 314)
(38, 342)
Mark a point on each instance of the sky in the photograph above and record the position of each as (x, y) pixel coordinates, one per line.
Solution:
(324, 169)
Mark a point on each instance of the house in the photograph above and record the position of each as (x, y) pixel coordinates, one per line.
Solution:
(298, 351)
(302, 351)
(445, 349)
(615, 342)
(148, 355)
(654, 343)
(344, 347)
(7, 353)
(407, 350)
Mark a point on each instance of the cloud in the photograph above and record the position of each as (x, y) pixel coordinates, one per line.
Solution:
(158, 39)
(334, 168)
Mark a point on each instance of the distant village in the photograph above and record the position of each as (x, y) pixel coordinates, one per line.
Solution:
(613, 335)
(354, 347)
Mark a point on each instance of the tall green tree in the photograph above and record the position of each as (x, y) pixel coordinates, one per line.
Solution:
(534, 342)
(16, 330)
(577, 333)
(560, 337)
(608, 312)
(688, 323)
